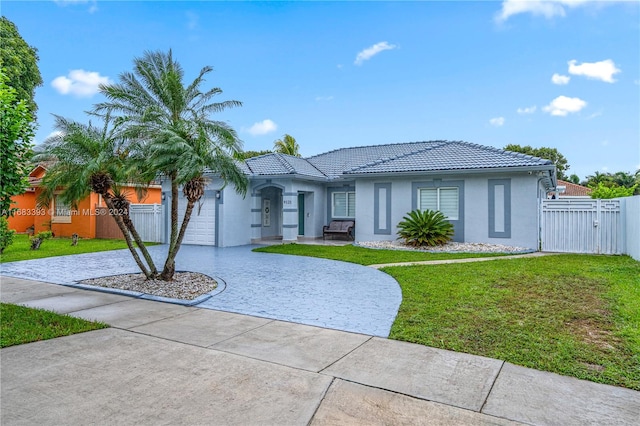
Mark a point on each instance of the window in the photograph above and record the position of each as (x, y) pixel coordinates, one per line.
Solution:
(61, 211)
(343, 204)
(444, 199)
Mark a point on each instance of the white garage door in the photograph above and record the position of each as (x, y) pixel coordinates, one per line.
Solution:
(202, 225)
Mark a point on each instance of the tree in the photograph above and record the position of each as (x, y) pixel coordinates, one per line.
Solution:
(86, 158)
(574, 179)
(287, 145)
(19, 62)
(624, 179)
(181, 142)
(543, 152)
(16, 132)
(599, 178)
(244, 155)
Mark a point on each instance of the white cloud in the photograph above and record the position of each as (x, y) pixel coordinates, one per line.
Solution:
(603, 70)
(93, 5)
(263, 127)
(324, 98)
(527, 110)
(563, 105)
(80, 83)
(370, 52)
(546, 8)
(560, 79)
(497, 122)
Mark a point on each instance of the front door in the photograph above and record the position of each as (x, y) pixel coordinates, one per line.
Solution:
(300, 214)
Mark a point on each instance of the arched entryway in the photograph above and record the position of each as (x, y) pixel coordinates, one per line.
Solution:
(271, 213)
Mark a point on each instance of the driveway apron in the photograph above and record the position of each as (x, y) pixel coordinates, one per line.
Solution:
(305, 290)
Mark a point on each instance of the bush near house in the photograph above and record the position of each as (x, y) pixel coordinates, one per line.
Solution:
(425, 228)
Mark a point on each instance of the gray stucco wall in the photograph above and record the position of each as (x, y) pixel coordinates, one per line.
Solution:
(234, 219)
(523, 203)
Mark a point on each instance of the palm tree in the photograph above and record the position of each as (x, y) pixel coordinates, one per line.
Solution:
(598, 178)
(287, 145)
(180, 141)
(624, 179)
(86, 158)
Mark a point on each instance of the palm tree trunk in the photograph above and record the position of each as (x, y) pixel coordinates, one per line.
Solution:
(170, 264)
(141, 245)
(127, 237)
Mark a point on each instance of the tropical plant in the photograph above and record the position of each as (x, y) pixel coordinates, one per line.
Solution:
(6, 234)
(181, 141)
(19, 62)
(85, 158)
(605, 192)
(16, 131)
(598, 178)
(425, 228)
(624, 179)
(287, 145)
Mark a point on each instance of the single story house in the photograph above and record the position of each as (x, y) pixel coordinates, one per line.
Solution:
(489, 195)
(60, 218)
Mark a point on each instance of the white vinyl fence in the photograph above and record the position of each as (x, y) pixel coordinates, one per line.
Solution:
(148, 220)
(591, 226)
(582, 226)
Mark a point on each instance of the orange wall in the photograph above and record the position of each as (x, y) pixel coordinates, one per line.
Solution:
(26, 213)
(83, 220)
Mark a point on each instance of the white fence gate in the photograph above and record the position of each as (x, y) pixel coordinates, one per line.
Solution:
(148, 220)
(582, 226)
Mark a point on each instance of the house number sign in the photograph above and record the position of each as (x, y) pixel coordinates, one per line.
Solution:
(266, 212)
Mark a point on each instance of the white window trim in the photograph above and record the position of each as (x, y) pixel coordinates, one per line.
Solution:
(438, 199)
(333, 204)
(59, 219)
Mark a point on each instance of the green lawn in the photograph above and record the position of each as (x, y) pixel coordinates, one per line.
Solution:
(21, 247)
(365, 256)
(576, 315)
(19, 325)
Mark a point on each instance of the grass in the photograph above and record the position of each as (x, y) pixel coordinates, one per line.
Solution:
(19, 324)
(575, 315)
(365, 256)
(21, 248)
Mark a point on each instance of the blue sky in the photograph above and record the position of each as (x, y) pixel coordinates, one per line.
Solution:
(562, 74)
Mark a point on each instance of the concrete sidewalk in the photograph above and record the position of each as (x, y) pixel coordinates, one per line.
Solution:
(170, 364)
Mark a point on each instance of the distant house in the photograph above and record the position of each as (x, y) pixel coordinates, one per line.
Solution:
(566, 189)
(59, 217)
(489, 195)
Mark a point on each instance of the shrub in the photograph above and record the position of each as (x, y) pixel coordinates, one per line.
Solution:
(425, 228)
(6, 234)
(39, 238)
(607, 192)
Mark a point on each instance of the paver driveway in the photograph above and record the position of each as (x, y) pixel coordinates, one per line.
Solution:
(304, 290)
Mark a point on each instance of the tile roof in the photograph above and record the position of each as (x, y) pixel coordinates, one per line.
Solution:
(419, 157)
(572, 189)
(391, 158)
(281, 164)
